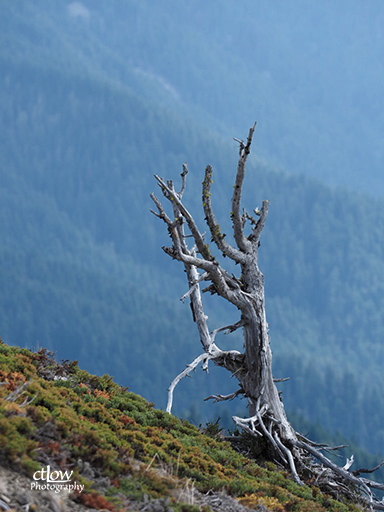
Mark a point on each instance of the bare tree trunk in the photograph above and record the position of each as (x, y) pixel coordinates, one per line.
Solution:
(253, 368)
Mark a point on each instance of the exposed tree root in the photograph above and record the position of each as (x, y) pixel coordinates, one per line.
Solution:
(313, 465)
(343, 481)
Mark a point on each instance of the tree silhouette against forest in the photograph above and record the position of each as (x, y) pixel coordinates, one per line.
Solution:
(267, 422)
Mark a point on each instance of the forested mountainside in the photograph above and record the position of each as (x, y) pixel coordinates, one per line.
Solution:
(84, 127)
(120, 453)
(311, 73)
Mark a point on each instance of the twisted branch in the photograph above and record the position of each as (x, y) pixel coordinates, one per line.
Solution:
(221, 398)
(192, 366)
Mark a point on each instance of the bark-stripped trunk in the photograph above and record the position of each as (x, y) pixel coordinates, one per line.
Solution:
(253, 368)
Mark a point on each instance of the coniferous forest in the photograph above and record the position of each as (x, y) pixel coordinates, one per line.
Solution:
(96, 97)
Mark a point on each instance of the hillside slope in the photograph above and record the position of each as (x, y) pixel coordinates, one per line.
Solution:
(121, 451)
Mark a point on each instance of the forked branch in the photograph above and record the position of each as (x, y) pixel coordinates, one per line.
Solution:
(217, 236)
(174, 198)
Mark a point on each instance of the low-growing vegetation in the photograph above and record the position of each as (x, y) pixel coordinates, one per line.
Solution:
(60, 415)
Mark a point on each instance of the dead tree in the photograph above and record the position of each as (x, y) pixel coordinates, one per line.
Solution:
(253, 367)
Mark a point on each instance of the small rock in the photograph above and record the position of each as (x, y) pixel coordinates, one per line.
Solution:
(22, 499)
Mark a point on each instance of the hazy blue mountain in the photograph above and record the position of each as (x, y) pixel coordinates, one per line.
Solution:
(310, 73)
(97, 96)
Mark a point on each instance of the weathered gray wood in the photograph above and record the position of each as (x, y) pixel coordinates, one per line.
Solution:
(253, 368)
